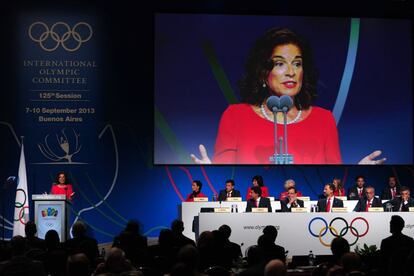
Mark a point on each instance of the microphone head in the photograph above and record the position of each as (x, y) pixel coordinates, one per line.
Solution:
(273, 103)
(286, 103)
(11, 179)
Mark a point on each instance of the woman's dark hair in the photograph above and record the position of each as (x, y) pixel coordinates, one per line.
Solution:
(259, 180)
(340, 184)
(259, 64)
(57, 177)
(199, 184)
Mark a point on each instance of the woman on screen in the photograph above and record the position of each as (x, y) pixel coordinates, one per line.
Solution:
(280, 63)
(61, 187)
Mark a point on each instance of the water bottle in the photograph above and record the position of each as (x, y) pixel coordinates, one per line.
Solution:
(311, 258)
(388, 207)
(214, 197)
(234, 208)
(103, 253)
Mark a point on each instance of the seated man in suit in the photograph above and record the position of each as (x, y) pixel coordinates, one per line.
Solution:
(291, 200)
(392, 190)
(256, 201)
(402, 204)
(229, 191)
(330, 201)
(370, 201)
(358, 190)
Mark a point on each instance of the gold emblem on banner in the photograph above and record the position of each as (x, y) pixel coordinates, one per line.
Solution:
(59, 39)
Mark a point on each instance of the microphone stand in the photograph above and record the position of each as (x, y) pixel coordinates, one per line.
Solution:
(287, 158)
(274, 158)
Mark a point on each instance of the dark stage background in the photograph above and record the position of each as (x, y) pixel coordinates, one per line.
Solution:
(120, 181)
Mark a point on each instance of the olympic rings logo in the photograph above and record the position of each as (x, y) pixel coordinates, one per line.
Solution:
(21, 205)
(50, 39)
(334, 230)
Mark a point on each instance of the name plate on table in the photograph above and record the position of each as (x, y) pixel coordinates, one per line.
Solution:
(234, 199)
(259, 210)
(304, 198)
(299, 210)
(343, 198)
(411, 209)
(339, 210)
(200, 199)
(222, 210)
(375, 209)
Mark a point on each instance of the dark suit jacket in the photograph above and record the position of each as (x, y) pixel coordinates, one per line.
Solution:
(394, 252)
(396, 203)
(353, 193)
(362, 204)
(322, 204)
(284, 203)
(386, 192)
(223, 194)
(263, 203)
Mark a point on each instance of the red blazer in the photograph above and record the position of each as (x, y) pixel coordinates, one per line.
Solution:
(265, 192)
(56, 190)
(191, 199)
(336, 192)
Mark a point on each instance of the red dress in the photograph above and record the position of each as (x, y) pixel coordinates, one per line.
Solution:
(191, 199)
(56, 190)
(284, 195)
(246, 138)
(336, 192)
(265, 192)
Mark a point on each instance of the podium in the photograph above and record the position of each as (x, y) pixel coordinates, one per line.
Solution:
(52, 213)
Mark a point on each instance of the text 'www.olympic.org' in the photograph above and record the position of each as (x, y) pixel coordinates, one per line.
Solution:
(258, 227)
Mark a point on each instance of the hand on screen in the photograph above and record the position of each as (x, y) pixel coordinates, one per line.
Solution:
(370, 159)
(204, 157)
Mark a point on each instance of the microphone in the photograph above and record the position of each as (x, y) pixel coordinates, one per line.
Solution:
(273, 103)
(9, 181)
(286, 104)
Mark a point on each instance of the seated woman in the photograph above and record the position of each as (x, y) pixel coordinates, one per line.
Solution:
(339, 187)
(290, 183)
(61, 186)
(196, 187)
(258, 181)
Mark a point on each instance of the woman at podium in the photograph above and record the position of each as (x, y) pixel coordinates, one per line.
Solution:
(61, 187)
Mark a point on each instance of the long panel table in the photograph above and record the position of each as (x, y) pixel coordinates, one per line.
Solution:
(190, 210)
(301, 232)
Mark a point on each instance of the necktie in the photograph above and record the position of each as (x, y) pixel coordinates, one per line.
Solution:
(328, 205)
(368, 205)
(360, 192)
(392, 193)
(228, 194)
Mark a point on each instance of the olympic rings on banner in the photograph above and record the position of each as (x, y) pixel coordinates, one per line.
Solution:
(366, 231)
(60, 39)
(310, 230)
(320, 235)
(346, 227)
(334, 230)
(346, 230)
(19, 204)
